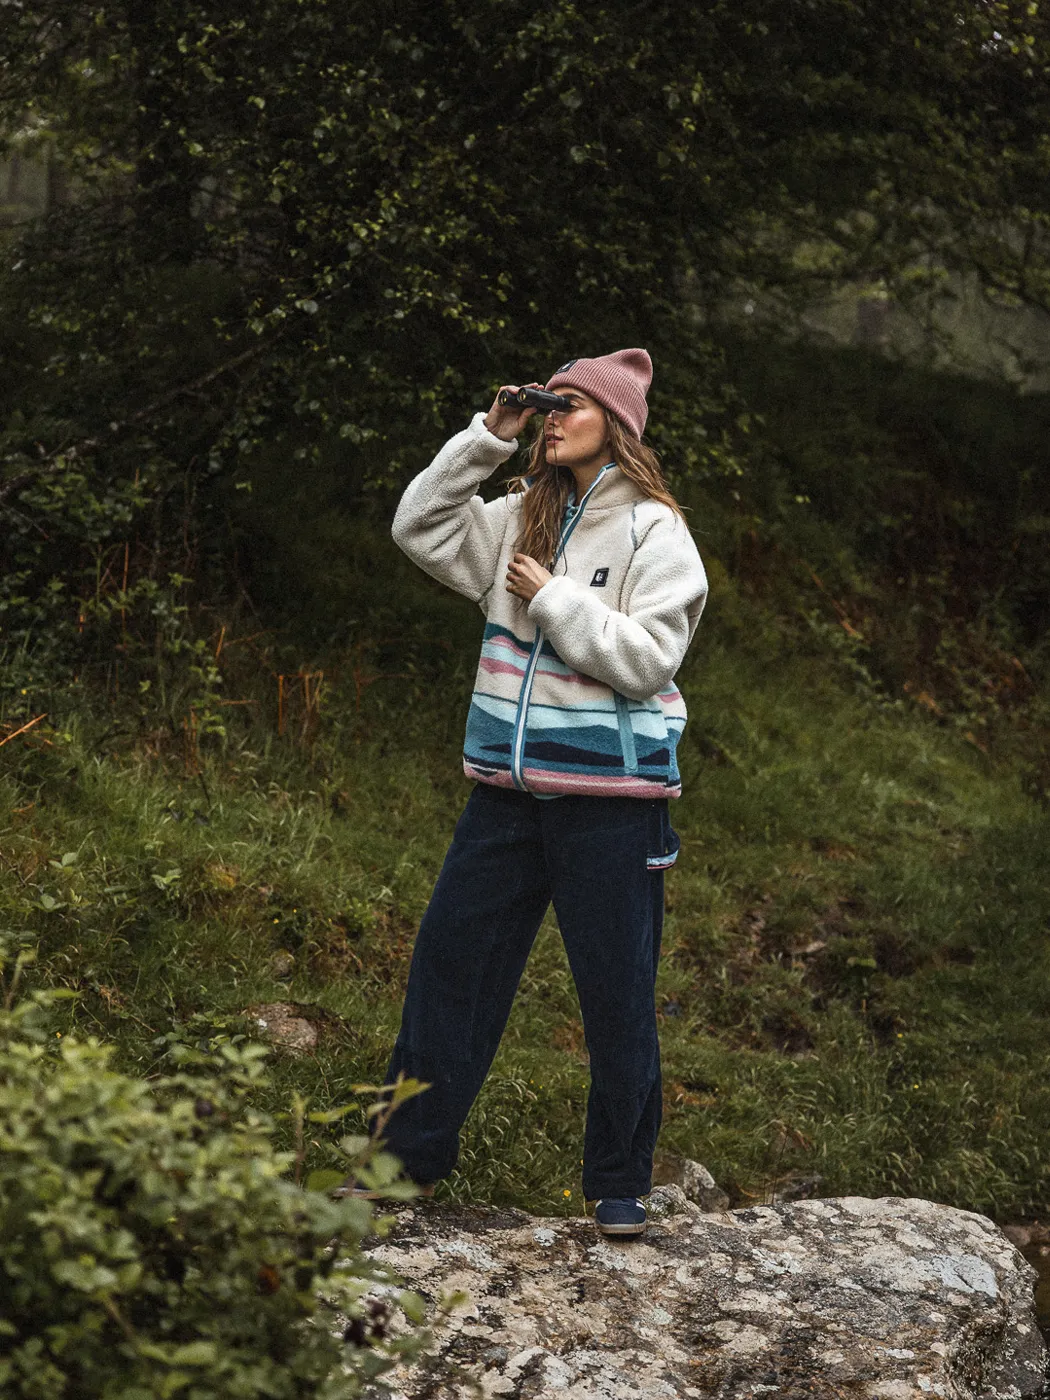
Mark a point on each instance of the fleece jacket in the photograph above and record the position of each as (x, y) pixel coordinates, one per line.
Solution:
(575, 692)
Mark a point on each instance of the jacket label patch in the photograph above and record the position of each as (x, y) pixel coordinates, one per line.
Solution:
(600, 578)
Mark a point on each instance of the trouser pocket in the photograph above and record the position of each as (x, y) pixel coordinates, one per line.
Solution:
(664, 841)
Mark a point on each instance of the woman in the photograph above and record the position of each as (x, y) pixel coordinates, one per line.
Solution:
(592, 587)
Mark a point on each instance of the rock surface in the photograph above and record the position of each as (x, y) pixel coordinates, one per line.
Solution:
(695, 1180)
(283, 1025)
(881, 1299)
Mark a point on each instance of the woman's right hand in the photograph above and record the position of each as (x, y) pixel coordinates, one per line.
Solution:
(507, 420)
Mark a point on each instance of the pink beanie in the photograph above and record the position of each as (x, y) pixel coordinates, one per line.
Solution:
(619, 382)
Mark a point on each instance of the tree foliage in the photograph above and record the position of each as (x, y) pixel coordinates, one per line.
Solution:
(306, 232)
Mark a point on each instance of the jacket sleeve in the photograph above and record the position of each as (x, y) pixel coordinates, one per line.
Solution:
(636, 651)
(443, 526)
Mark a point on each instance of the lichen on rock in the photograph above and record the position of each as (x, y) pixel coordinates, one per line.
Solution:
(875, 1299)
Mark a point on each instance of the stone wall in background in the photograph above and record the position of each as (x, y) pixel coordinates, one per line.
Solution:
(29, 188)
(963, 330)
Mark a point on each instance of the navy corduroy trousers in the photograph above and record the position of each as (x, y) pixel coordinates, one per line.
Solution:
(512, 854)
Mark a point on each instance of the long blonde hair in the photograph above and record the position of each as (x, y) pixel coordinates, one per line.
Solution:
(548, 486)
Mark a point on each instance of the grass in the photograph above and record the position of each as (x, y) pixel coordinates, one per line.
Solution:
(854, 985)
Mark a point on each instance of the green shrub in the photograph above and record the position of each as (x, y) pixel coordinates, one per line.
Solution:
(154, 1243)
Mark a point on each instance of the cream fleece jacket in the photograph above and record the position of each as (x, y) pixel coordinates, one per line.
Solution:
(612, 626)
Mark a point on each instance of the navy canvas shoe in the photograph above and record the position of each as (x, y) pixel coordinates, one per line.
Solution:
(620, 1215)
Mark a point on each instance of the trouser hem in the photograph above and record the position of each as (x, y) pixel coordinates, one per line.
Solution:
(604, 1191)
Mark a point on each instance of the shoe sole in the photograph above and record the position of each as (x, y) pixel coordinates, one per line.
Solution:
(622, 1229)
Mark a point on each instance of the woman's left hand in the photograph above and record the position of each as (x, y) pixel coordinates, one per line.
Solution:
(525, 577)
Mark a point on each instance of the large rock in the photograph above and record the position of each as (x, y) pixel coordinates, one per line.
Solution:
(888, 1299)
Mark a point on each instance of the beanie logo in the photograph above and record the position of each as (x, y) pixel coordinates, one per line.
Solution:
(567, 365)
(600, 578)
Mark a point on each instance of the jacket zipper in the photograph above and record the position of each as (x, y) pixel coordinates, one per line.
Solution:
(517, 751)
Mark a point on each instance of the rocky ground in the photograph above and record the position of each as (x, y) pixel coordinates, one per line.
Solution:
(882, 1299)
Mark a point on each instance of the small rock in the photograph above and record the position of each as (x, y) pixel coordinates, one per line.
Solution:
(700, 1186)
(282, 966)
(1025, 1236)
(693, 1179)
(795, 1186)
(280, 1023)
(669, 1200)
(1020, 1235)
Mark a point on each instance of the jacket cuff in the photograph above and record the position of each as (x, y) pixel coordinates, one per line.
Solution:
(551, 600)
(478, 430)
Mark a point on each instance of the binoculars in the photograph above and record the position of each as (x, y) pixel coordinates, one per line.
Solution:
(535, 398)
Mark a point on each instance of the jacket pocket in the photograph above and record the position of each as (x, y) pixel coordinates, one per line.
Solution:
(627, 740)
(664, 841)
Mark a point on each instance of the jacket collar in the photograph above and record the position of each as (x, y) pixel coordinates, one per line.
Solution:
(609, 490)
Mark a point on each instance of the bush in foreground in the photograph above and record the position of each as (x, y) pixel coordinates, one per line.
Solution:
(153, 1243)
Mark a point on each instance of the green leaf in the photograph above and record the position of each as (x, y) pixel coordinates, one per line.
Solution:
(331, 1115)
(324, 1180)
(195, 1354)
(355, 1144)
(413, 1306)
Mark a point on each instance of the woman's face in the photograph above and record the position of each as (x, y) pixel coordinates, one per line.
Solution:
(578, 436)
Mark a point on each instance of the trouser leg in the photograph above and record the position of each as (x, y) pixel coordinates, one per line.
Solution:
(471, 950)
(610, 911)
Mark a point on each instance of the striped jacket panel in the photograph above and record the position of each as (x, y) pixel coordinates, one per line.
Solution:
(580, 735)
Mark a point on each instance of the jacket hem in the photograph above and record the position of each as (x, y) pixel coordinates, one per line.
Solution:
(540, 782)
